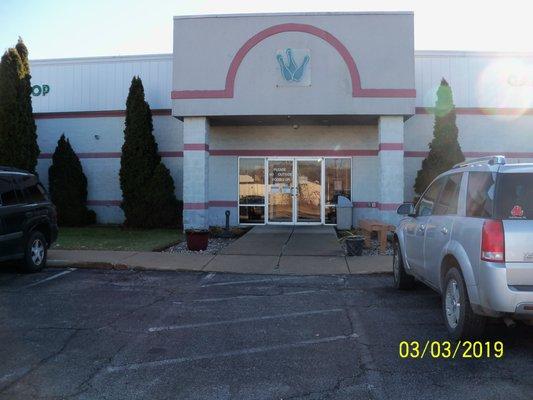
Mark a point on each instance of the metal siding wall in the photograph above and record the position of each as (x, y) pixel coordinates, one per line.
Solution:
(477, 79)
(100, 84)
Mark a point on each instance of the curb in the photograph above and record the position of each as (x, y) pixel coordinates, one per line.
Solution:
(124, 267)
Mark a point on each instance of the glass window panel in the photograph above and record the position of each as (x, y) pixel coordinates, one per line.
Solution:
(480, 194)
(449, 197)
(251, 214)
(252, 181)
(280, 195)
(33, 191)
(338, 179)
(425, 206)
(7, 191)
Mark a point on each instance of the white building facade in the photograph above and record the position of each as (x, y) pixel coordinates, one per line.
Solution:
(274, 117)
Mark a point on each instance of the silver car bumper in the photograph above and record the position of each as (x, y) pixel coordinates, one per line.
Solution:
(497, 297)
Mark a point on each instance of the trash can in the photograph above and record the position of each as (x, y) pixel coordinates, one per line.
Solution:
(344, 213)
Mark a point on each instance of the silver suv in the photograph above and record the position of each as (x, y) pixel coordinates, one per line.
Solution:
(470, 237)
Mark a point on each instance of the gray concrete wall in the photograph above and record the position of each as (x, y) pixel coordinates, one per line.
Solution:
(205, 48)
(100, 157)
(228, 142)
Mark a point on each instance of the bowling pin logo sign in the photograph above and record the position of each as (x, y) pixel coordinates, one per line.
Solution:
(294, 66)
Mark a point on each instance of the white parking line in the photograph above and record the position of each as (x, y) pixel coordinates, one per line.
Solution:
(240, 320)
(247, 296)
(251, 281)
(68, 271)
(252, 350)
(208, 277)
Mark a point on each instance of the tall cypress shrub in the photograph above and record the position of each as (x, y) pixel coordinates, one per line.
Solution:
(68, 187)
(18, 137)
(29, 133)
(444, 150)
(148, 199)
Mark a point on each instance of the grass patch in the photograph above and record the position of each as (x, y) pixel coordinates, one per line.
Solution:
(116, 238)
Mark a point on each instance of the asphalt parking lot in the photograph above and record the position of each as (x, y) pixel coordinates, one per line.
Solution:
(88, 334)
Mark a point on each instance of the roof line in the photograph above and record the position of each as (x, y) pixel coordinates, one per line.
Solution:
(293, 14)
(118, 58)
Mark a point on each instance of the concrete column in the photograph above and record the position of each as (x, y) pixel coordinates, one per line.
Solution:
(391, 175)
(195, 173)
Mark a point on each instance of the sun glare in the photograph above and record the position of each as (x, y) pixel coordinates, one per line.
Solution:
(506, 84)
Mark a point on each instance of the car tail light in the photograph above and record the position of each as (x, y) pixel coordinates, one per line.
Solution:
(493, 241)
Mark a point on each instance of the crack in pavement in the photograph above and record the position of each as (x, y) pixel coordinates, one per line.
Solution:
(41, 362)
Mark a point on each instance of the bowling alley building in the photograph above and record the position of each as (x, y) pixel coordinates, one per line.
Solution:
(274, 117)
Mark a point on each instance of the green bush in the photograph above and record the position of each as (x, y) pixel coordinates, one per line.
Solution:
(18, 133)
(444, 150)
(148, 198)
(68, 187)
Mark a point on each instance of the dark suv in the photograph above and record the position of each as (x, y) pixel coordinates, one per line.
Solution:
(28, 220)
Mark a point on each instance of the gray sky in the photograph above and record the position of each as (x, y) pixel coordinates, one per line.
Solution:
(61, 28)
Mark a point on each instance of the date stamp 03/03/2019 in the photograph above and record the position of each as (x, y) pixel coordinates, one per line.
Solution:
(450, 350)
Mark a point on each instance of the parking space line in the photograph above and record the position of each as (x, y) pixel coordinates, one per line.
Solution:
(248, 351)
(68, 271)
(241, 320)
(248, 296)
(251, 281)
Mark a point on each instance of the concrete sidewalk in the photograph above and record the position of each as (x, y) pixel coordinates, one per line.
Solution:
(285, 250)
(256, 264)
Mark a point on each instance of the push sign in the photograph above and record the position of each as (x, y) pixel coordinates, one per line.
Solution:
(40, 90)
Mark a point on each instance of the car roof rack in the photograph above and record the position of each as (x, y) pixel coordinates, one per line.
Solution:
(490, 160)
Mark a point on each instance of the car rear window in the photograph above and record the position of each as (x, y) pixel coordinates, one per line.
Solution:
(514, 198)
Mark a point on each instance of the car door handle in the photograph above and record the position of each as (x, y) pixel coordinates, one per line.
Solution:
(444, 231)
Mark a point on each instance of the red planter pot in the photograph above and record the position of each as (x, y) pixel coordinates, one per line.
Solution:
(197, 241)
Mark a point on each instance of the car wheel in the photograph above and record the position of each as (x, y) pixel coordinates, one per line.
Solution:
(402, 280)
(460, 319)
(35, 253)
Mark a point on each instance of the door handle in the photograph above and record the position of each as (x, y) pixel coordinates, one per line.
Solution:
(444, 231)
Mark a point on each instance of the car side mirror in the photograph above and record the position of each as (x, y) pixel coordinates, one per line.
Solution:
(406, 209)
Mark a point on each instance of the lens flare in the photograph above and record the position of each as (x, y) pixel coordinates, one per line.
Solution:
(507, 85)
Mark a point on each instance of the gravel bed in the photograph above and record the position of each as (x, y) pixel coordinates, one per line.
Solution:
(214, 245)
(374, 249)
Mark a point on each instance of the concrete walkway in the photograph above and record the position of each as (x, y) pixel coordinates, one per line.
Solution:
(285, 250)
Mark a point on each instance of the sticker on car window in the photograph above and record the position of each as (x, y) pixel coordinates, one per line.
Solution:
(517, 212)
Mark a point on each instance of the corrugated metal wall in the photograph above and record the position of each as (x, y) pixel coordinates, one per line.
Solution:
(97, 84)
(478, 80)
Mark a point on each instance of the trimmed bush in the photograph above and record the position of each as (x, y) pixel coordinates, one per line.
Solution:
(444, 150)
(68, 187)
(148, 198)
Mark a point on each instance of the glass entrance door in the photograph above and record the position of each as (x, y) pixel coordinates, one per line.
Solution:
(295, 191)
(280, 191)
(309, 191)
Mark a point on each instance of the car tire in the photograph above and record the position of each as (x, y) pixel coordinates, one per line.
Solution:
(35, 253)
(402, 280)
(459, 318)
